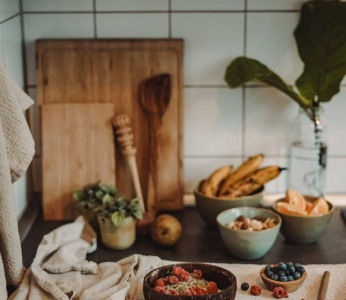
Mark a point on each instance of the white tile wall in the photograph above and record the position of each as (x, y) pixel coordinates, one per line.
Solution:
(274, 45)
(274, 4)
(38, 26)
(212, 41)
(208, 5)
(133, 5)
(14, 53)
(221, 126)
(61, 5)
(2, 46)
(268, 118)
(213, 121)
(133, 25)
(8, 8)
(36, 131)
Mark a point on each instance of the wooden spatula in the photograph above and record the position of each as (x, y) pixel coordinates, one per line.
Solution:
(155, 95)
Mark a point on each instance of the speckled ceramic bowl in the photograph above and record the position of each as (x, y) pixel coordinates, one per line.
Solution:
(248, 244)
(210, 207)
(225, 280)
(304, 230)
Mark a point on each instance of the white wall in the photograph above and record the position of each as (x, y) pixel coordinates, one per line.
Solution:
(12, 59)
(222, 126)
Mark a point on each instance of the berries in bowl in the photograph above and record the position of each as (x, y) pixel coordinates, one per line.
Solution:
(190, 281)
(288, 276)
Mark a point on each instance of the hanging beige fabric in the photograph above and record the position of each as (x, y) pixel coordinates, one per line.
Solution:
(16, 153)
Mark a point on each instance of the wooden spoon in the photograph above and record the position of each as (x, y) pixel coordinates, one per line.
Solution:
(324, 286)
(155, 95)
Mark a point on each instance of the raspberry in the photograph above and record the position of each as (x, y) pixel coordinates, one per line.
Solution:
(186, 293)
(173, 280)
(212, 287)
(159, 282)
(279, 293)
(165, 280)
(255, 290)
(197, 274)
(185, 276)
(201, 291)
(177, 271)
(193, 291)
(160, 289)
(172, 292)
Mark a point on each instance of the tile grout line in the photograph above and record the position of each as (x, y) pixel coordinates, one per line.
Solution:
(25, 70)
(243, 87)
(170, 19)
(10, 18)
(94, 19)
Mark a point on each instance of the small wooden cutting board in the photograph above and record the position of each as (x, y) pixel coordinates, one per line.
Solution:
(77, 149)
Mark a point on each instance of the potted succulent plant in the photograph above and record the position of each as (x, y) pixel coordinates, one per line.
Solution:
(90, 197)
(321, 42)
(117, 219)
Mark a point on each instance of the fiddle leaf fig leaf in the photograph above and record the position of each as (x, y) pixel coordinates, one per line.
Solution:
(243, 70)
(321, 41)
(118, 218)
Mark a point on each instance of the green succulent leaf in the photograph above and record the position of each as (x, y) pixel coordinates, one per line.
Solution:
(243, 70)
(77, 195)
(112, 189)
(98, 208)
(321, 41)
(107, 198)
(118, 218)
(137, 213)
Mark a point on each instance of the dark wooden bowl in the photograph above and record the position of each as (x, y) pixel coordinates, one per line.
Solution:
(225, 280)
(288, 286)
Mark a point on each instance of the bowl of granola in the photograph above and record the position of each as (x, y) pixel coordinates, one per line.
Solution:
(248, 232)
(190, 281)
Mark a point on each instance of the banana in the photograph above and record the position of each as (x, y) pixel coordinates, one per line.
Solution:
(249, 166)
(253, 182)
(211, 185)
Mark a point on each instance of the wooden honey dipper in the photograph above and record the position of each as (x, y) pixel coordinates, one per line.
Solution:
(125, 139)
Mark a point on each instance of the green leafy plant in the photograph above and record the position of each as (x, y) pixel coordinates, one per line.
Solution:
(105, 200)
(93, 194)
(321, 42)
(117, 208)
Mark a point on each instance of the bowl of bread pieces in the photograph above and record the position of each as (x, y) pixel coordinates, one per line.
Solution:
(230, 187)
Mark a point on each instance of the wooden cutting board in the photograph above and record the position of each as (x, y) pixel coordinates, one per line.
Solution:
(77, 149)
(110, 71)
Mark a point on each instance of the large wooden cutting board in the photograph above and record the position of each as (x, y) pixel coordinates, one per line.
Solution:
(110, 71)
(77, 148)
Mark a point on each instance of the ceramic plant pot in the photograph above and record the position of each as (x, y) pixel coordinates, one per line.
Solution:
(90, 216)
(210, 207)
(248, 244)
(304, 230)
(117, 237)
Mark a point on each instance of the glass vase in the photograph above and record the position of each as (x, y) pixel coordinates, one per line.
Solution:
(308, 153)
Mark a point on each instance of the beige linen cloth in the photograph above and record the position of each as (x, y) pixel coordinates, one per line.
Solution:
(16, 153)
(60, 271)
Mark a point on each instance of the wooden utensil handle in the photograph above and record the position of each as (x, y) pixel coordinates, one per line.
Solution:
(131, 161)
(324, 286)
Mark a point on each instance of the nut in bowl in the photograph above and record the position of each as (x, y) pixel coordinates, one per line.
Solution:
(190, 281)
(304, 218)
(246, 244)
(293, 276)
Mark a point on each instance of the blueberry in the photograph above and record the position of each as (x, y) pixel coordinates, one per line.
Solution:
(269, 274)
(291, 270)
(301, 270)
(289, 264)
(275, 270)
(287, 273)
(244, 286)
(290, 278)
(283, 278)
(297, 265)
(296, 275)
(267, 268)
(281, 273)
(282, 266)
(272, 276)
(276, 277)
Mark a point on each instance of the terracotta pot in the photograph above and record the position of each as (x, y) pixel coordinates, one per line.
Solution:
(90, 216)
(117, 237)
